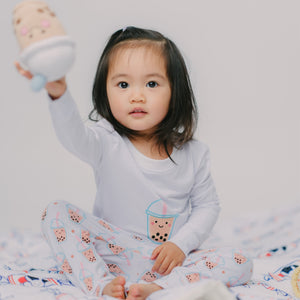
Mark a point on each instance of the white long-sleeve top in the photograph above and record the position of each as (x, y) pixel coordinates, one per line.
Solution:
(155, 199)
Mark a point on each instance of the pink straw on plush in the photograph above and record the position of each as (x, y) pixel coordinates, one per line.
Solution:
(57, 215)
(164, 211)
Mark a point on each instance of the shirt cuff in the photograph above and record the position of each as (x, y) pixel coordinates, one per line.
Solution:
(187, 244)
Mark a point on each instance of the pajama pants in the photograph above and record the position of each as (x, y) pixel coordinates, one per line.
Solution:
(91, 252)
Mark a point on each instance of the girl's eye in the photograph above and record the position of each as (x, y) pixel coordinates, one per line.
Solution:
(152, 84)
(123, 85)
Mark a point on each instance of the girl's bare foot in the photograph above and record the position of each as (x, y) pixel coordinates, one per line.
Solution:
(142, 291)
(115, 288)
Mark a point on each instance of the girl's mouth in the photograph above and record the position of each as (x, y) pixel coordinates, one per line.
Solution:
(138, 112)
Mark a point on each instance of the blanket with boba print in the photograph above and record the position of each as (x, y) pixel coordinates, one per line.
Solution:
(28, 271)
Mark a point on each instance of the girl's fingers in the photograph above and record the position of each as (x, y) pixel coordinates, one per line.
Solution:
(158, 262)
(170, 268)
(17, 65)
(23, 72)
(155, 253)
(164, 266)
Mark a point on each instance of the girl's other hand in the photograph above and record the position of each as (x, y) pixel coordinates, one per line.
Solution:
(167, 256)
(55, 89)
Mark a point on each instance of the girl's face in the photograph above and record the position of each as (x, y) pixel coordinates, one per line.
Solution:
(138, 88)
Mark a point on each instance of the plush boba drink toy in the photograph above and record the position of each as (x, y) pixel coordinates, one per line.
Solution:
(45, 49)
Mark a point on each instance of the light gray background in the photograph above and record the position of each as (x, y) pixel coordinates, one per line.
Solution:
(244, 61)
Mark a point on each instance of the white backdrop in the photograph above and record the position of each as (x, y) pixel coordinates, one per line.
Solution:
(244, 61)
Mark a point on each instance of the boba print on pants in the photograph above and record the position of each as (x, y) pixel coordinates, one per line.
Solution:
(91, 252)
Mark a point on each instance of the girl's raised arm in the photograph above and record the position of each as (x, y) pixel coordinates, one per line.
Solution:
(77, 138)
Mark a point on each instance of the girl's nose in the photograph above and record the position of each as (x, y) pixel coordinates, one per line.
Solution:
(137, 100)
(137, 97)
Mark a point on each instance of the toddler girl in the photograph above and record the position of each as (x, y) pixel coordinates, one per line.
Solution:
(156, 202)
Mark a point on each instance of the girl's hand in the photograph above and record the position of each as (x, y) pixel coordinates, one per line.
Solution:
(167, 256)
(55, 89)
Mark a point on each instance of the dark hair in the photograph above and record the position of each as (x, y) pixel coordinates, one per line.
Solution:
(180, 122)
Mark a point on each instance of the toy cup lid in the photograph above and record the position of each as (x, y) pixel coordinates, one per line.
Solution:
(56, 223)
(159, 209)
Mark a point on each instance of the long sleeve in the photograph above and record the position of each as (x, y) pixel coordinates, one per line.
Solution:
(81, 140)
(205, 209)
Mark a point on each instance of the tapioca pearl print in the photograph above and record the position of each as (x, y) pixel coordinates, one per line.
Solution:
(74, 216)
(149, 277)
(44, 214)
(88, 283)
(160, 238)
(210, 265)
(239, 259)
(89, 255)
(66, 267)
(85, 236)
(60, 234)
(194, 277)
(115, 249)
(113, 268)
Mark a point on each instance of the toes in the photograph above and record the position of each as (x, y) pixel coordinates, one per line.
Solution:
(134, 291)
(121, 280)
(118, 289)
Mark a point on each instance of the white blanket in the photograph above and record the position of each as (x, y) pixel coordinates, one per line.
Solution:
(27, 270)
